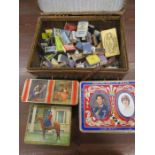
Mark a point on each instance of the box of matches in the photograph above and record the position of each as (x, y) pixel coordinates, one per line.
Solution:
(48, 125)
(107, 106)
(82, 29)
(50, 91)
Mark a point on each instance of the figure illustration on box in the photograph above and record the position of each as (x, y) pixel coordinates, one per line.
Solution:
(61, 95)
(62, 91)
(125, 105)
(38, 90)
(100, 107)
(110, 43)
(48, 120)
(47, 124)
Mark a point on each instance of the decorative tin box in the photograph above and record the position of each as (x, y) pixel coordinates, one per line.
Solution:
(107, 106)
(47, 124)
(50, 91)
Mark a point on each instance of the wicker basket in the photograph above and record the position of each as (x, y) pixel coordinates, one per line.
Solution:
(103, 21)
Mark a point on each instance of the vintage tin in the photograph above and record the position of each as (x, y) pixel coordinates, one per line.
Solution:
(50, 91)
(48, 125)
(107, 106)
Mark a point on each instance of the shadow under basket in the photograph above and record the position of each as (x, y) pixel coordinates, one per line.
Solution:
(102, 23)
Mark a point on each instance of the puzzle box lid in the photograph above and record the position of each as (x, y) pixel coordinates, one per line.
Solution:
(45, 91)
(107, 106)
(48, 125)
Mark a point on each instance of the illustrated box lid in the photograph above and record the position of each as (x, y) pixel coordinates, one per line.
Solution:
(48, 125)
(50, 91)
(107, 106)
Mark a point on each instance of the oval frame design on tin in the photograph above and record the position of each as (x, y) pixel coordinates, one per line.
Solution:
(125, 103)
(94, 105)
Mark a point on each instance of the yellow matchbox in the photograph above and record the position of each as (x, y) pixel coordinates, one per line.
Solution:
(92, 59)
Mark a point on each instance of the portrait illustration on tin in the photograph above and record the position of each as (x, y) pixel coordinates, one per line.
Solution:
(62, 91)
(126, 104)
(38, 90)
(100, 105)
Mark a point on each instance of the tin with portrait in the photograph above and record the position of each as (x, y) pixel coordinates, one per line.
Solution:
(107, 106)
